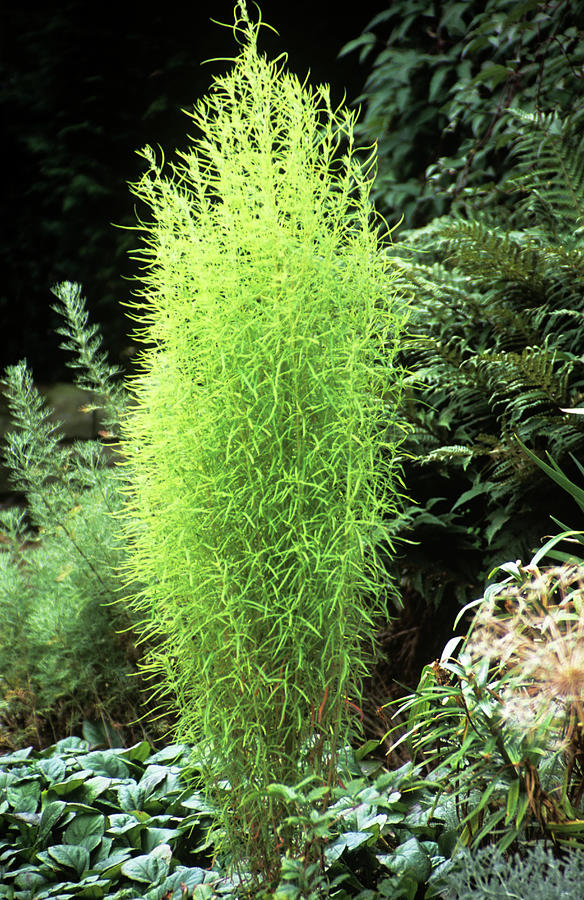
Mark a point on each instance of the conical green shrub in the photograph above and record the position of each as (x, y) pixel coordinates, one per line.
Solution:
(262, 463)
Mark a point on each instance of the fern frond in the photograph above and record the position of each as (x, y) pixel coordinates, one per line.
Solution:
(33, 452)
(94, 372)
(550, 152)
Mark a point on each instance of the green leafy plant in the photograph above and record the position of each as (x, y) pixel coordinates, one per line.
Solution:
(261, 448)
(443, 77)
(66, 647)
(500, 721)
(498, 316)
(77, 820)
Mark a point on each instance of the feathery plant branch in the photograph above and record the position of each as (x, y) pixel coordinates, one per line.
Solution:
(49, 474)
(39, 466)
(94, 372)
(261, 449)
(63, 658)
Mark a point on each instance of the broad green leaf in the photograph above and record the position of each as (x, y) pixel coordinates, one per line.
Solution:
(140, 752)
(130, 796)
(25, 818)
(153, 776)
(170, 753)
(108, 764)
(70, 784)
(53, 769)
(121, 823)
(148, 869)
(197, 802)
(101, 734)
(70, 743)
(85, 830)
(18, 756)
(153, 837)
(92, 888)
(69, 856)
(349, 840)
(30, 879)
(24, 796)
(409, 858)
(112, 865)
(182, 876)
(94, 787)
(367, 817)
(52, 812)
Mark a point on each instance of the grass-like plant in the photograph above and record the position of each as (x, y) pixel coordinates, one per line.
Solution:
(261, 444)
(500, 721)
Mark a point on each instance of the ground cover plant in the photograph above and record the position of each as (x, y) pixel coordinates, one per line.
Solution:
(81, 820)
(536, 873)
(261, 447)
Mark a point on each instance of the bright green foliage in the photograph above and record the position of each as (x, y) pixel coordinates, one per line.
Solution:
(499, 316)
(261, 446)
(61, 658)
(444, 76)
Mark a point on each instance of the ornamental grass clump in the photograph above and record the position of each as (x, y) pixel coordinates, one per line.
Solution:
(500, 722)
(261, 445)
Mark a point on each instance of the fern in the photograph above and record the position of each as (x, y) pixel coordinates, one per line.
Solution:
(498, 312)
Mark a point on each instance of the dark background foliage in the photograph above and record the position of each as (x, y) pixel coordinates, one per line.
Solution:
(441, 80)
(83, 87)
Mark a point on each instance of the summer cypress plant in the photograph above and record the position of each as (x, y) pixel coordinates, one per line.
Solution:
(261, 461)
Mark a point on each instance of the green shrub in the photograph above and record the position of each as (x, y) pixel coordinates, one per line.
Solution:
(441, 84)
(499, 317)
(65, 645)
(260, 456)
